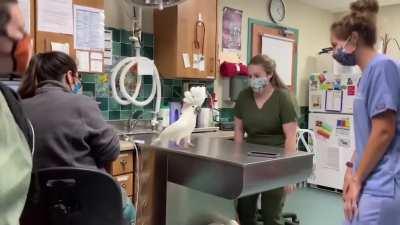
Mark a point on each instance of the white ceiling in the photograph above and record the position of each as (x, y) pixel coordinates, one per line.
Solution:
(342, 5)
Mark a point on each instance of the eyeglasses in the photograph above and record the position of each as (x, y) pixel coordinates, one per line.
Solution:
(326, 50)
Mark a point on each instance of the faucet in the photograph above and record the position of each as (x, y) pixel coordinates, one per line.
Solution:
(138, 115)
(134, 118)
(155, 122)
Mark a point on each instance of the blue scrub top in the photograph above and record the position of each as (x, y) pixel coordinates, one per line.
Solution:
(378, 91)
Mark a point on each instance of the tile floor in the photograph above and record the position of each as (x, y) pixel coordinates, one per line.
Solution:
(316, 207)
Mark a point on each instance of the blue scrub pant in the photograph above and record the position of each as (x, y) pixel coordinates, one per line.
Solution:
(376, 210)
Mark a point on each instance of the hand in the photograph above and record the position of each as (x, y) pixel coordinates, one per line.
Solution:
(290, 189)
(347, 179)
(352, 198)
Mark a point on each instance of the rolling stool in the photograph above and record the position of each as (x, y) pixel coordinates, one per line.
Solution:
(73, 196)
(291, 218)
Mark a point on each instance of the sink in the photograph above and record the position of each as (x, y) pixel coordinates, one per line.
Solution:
(139, 135)
(121, 128)
(136, 132)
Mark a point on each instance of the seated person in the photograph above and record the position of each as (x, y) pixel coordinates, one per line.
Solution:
(70, 130)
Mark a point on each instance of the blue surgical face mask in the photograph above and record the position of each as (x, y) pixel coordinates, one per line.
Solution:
(258, 84)
(344, 58)
(77, 88)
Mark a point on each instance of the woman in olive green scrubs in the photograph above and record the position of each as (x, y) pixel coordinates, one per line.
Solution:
(267, 113)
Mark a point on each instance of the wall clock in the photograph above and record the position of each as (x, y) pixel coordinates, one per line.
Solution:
(277, 10)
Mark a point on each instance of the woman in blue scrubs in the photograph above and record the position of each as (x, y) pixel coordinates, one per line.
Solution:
(372, 183)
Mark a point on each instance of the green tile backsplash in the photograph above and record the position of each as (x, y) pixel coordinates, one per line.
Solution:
(147, 40)
(114, 105)
(116, 48)
(116, 34)
(98, 85)
(125, 36)
(126, 50)
(124, 115)
(89, 88)
(126, 107)
(89, 78)
(115, 115)
(103, 103)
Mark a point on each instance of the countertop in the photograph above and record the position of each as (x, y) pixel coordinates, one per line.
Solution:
(214, 158)
(215, 146)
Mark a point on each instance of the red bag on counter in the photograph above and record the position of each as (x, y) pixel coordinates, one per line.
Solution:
(233, 69)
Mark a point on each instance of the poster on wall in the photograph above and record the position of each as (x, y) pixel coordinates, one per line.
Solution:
(88, 28)
(330, 159)
(334, 99)
(55, 16)
(323, 130)
(232, 29)
(316, 101)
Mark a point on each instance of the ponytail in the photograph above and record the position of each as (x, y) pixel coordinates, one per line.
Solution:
(51, 66)
(30, 81)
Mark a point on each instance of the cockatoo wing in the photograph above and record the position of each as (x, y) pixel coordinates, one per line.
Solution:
(174, 130)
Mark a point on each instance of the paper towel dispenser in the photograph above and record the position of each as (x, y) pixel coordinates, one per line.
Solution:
(238, 84)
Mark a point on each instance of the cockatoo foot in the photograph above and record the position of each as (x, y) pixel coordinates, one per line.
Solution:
(179, 144)
(188, 145)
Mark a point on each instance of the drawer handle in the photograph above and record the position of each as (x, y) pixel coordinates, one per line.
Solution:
(123, 185)
(123, 163)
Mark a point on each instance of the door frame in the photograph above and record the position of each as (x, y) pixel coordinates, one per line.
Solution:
(254, 22)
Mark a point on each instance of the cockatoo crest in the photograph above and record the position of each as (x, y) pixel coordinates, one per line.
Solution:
(185, 125)
(196, 96)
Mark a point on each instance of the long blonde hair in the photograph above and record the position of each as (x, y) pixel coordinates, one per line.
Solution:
(269, 66)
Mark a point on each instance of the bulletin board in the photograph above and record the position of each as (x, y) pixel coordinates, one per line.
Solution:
(43, 39)
(260, 32)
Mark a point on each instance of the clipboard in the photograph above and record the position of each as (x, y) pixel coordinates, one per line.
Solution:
(334, 100)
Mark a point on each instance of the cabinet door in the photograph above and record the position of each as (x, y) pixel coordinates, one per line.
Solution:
(188, 15)
(166, 42)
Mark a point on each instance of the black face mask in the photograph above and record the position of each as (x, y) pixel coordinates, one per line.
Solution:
(344, 58)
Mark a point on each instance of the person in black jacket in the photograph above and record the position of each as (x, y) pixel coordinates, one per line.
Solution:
(16, 139)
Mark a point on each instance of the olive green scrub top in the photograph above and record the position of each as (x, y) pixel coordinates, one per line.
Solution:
(264, 126)
(15, 167)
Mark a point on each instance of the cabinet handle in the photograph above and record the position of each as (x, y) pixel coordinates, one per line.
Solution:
(123, 185)
(212, 65)
(123, 163)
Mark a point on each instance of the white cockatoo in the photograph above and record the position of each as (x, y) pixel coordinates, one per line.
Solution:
(182, 129)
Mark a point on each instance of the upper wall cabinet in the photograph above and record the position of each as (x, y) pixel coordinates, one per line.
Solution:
(185, 40)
